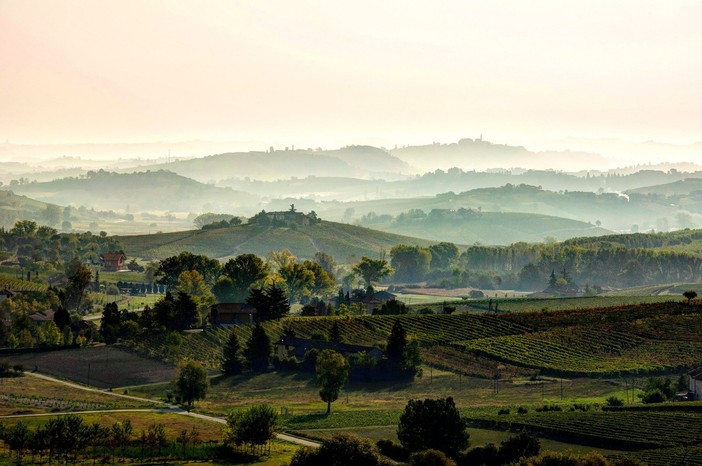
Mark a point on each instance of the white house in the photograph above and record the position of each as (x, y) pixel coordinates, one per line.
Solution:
(696, 383)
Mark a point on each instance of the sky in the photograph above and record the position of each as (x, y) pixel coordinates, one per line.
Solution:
(329, 74)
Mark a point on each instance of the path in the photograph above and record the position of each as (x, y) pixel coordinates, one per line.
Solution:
(168, 408)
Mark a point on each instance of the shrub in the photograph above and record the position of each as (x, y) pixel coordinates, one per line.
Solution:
(613, 401)
(430, 458)
(503, 411)
(340, 450)
(393, 450)
(655, 396)
(522, 410)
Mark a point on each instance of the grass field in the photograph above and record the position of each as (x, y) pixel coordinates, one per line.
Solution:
(25, 395)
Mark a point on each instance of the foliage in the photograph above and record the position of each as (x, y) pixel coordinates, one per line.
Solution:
(372, 270)
(270, 302)
(411, 263)
(340, 450)
(169, 269)
(332, 371)
(258, 349)
(432, 423)
(192, 383)
(232, 362)
(252, 427)
(239, 274)
(430, 458)
(690, 295)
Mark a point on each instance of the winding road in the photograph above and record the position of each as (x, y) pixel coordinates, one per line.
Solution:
(166, 408)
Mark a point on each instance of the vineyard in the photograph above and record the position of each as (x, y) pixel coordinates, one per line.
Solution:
(637, 339)
(15, 284)
(621, 430)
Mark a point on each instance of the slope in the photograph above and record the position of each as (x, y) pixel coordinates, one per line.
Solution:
(346, 243)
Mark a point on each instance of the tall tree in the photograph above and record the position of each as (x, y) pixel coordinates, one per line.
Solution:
(169, 269)
(258, 349)
(372, 270)
(411, 263)
(298, 280)
(79, 277)
(231, 359)
(254, 427)
(332, 372)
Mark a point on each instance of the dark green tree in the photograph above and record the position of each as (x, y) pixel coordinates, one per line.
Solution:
(690, 295)
(192, 383)
(62, 318)
(169, 269)
(433, 423)
(335, 333)
(340, 450)
(231, 359)
(244, 271)
(258, 349)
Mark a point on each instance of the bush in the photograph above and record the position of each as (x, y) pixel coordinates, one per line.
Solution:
(432, 424)
(613, 401)
(503, 411)
(430, 458)
(393, 450)
(655, 396)
(522, 410)
(340, 450)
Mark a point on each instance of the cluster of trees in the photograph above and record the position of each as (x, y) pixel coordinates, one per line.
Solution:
(211, 220)
(68, 438)
(43, 248)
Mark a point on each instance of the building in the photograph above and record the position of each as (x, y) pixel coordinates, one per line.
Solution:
(695, 383)
(231, 314)
(42, 316)
(113, 261)
(294, 346)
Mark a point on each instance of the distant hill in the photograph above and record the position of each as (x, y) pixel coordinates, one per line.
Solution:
(493, 228)
(353, 161)
(14, 207)
(346, 243)
(478, 154)
(677, 188)
(141, 191)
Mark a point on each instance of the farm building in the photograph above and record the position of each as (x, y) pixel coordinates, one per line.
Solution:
(113, 261)
(696, 383)
(231, 313)
(42, 316)
(294, 346)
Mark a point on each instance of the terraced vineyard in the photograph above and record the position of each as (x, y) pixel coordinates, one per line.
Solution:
(622, 430)
(14, 284)
(428, 330)
(636, 339)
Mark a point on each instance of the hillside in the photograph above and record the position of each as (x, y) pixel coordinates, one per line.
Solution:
(346, 243)
(676, 188)
(496, 228)
(141, 191)
(355, 161)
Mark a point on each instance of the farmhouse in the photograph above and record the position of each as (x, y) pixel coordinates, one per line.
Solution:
(696, 383)
(42, 316)
(293, 346)
(113, 261)
(231, 314)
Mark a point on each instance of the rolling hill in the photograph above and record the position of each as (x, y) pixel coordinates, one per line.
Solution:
(495, 228)
(346, 243)
(676, 188)
(141, 191)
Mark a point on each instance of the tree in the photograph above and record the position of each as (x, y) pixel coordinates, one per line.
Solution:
(332, 371)
(62, 318)
(52, 334)
(278, 259)
(244, 271)
(372, 270)
(193, 283)
(326, 262)
(411, 263)
(522, 445)
(231, 360)
(323, 283)
(298, 280)
(52, 214)
(335, 333)
(258, 349)
(690, 295)
(170, 268)
(443, 255)
(254, 427)
(433, 424)
(192, 383)
(340, 450)
(270, 302)
(403, 355)
(79, 277)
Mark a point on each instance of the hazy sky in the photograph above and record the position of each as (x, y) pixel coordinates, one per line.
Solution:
(330, 73)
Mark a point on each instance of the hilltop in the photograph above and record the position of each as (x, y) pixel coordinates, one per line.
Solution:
(339, 240)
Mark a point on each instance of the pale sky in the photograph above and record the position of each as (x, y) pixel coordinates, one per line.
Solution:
(330, 73)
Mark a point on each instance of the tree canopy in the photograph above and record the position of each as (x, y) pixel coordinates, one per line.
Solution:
(372, 270)
(433, 423)
(332, 372)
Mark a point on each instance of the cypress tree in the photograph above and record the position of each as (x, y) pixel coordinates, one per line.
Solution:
(231, 360)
